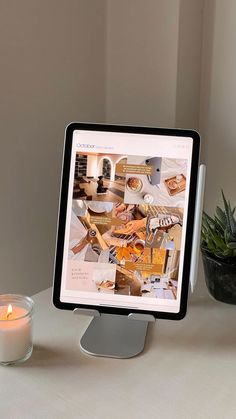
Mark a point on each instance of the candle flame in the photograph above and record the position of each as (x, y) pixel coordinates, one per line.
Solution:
(9, 311)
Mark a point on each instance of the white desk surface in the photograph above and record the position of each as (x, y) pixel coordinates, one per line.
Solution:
(187, 371)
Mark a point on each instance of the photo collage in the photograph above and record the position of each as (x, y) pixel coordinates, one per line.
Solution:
(126, 223)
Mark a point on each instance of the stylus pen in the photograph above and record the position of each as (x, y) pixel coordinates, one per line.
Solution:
(197, 225)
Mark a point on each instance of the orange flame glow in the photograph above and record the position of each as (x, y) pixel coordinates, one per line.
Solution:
(9, 311)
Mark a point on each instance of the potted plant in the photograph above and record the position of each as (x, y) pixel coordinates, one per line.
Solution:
(218, 246)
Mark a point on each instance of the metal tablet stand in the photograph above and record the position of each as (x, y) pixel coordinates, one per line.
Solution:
(117, 336)
(113, 335)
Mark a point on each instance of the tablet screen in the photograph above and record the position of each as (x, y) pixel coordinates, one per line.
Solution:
(125, 225)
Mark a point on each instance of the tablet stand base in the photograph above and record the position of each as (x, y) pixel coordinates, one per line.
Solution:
(115, 336)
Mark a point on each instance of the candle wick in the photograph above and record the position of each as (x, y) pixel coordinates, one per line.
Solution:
(8, 314)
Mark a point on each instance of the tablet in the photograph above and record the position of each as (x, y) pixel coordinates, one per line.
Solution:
(125, 221)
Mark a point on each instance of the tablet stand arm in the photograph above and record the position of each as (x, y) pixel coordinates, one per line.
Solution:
(114, 336)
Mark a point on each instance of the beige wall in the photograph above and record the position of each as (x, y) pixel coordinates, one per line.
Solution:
(217, 122)
(218, 100)
(52, 71)
(149, 62)
(142, 46)
(154, 62)
(189, 63)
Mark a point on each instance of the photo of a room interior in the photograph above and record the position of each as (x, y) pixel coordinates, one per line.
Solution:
(142, 241)
(96, 177)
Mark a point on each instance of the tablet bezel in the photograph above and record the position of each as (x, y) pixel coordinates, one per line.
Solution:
(63, 210)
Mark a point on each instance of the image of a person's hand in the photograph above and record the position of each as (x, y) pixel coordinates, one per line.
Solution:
(119, 209)
(132, 226)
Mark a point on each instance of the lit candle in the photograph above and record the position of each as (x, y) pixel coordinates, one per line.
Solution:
(15, 328)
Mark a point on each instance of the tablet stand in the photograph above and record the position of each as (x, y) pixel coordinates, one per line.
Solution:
(114, 336)
(117, 336)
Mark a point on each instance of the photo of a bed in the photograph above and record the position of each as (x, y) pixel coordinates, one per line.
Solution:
(156, 181)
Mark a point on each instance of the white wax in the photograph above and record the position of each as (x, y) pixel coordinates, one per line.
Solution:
(15, 334)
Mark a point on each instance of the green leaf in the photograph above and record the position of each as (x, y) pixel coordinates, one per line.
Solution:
(218, 234)
(226, 210)
(231, 245)
(219, 226)
(232, 220)
(208, 220)
(231, 223)
(221, 216)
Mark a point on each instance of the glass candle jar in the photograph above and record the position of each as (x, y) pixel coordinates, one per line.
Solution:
(16, 343)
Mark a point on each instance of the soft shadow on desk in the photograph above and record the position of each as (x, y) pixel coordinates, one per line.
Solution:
(45, 356)
(168, 336)
(208, 326)
(202, 302)
(214, 337)
(206, 342)
(149, 338)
